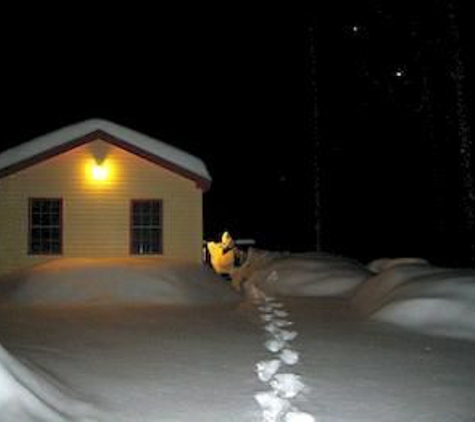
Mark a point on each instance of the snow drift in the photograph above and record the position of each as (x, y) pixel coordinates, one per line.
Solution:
(408, 292)
(382, 264)
(27, 395)
(293, 275)
(433, 300)
(114, 281)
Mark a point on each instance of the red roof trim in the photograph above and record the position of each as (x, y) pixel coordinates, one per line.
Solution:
(200, 181)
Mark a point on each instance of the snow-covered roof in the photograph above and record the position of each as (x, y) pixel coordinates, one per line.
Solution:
(173, 158)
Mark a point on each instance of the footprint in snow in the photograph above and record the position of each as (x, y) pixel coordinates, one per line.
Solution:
(282, 323)
(267, 317)
(287, 386)
(274, 345)
(269, 299)
(272, 277)
(266, 308)
(272, 328)
(277, 331)
(267, 369)
(286, 335)
(280, 314)
(289, 357)
(296, 416)
(273, 406)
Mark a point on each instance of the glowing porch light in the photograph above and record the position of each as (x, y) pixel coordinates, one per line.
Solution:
(99, 173)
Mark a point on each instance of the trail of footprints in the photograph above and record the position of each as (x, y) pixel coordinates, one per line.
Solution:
(284, 386)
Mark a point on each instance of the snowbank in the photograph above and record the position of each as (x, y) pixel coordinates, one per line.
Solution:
(382, 264)
(293, 275)
(378, 288)
(27, 395)
(432, 300)
(112, 281)
(408, 292)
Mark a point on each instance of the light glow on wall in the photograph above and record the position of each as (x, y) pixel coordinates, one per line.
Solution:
(100, 173)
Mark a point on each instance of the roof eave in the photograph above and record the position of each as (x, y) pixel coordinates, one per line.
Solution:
(201, 182)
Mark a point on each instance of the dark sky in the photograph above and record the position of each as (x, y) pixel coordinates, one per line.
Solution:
(231, 85)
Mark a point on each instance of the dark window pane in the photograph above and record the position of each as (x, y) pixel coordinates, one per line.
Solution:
(155, 220)
(145, 207)
(45, 226)
(35, 219)
(35, 206)
(55, 219)
(155, 244)
(35, 234)
(146, 235)
(146, 219)
(45, 219)
(45, 208)
(136, 219)
(155, 207)
(45, 234)
(56, 234)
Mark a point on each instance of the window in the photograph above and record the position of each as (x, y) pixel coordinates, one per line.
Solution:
(146, 227)
(45, 227)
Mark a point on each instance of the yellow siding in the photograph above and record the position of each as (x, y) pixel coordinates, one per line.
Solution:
(96, 215)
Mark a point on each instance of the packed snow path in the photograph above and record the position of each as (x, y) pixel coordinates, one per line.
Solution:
(276, 403)
(188, 363)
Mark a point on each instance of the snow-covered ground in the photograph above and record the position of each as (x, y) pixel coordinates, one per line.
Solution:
(300, 275)
(313, 333)
(114, 281)
(407, 292)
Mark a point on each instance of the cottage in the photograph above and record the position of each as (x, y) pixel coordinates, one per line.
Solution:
(97, 189)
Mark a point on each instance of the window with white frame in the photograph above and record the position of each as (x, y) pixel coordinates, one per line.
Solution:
(146, 227)
(45, 233)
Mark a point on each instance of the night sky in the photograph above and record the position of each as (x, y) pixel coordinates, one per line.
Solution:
(233, 86)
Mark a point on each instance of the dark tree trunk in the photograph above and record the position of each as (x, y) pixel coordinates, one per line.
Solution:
(315, 138)
(463, 131)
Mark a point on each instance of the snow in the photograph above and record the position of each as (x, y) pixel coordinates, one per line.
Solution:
(267, 369)
(422, 297)
(184, 349)
(298, 275)
(287, 385)
(69, 133)
(26, 393)
(299, 417)
(272, 405)
(276, 404)
(381, 264)
(79, 281)
(407, 291)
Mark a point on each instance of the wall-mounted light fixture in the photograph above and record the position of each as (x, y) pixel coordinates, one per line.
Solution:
(99, 172)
